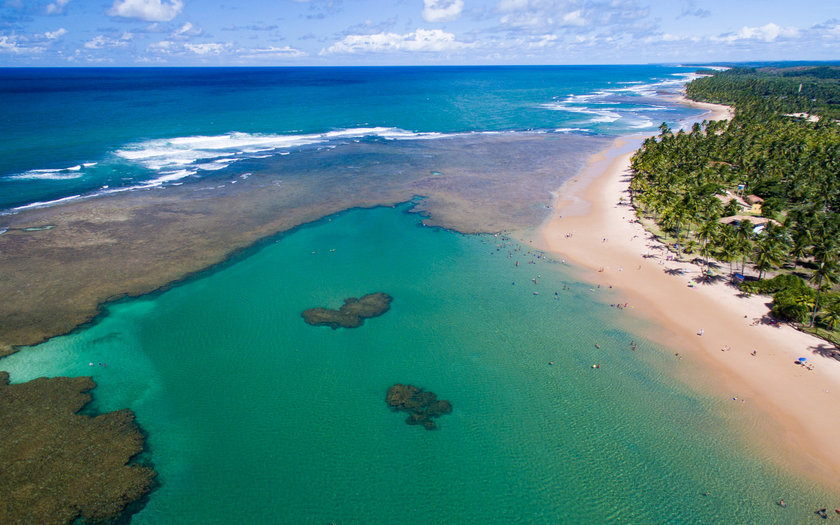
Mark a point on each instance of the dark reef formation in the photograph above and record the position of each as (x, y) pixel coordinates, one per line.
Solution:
(422, 406)
(57, 465)
(352, 314)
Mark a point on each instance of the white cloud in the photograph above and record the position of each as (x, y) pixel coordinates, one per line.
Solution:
(101, 41)
(272, 52)
(767, 33)
(163, 46)
(58, 33)
(149, 10)
(98, 42)
(421, 40)
(187, 30)
(538, 16)
(57, 7)
(442, 10)
(208, 48)
(9, 45)
(543, 42)
(506, 6)
(575, 18)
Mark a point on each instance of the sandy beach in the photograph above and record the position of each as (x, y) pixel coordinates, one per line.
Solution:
(794, 412)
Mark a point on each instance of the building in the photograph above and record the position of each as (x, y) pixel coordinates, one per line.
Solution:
(755, 203)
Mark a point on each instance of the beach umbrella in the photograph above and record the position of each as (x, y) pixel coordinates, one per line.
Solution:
(802, 359)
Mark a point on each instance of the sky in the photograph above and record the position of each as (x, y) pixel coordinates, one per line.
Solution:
(413, 32)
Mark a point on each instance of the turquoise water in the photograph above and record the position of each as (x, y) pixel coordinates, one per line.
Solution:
(254, 416)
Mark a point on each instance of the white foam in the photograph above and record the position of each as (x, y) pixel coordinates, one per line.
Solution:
(604, 107)
(221, 150)
(215, 165)
(600, 115)
(649, 108)
(168, 177)
(73, 172)
(641, 124)
(46, 203)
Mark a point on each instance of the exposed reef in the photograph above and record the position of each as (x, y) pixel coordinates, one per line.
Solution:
(58, 465)
(422, 406)
(352, 314)
(135, 242)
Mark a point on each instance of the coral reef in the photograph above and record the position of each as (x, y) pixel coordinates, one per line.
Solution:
(58, 465)
(352, 314)
(422, 406)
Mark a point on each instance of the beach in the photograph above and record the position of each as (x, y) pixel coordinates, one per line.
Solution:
(712, 329)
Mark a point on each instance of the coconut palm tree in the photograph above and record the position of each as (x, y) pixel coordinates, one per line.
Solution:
(725, 248)
(825, 273)
(743, 243)
(706, 233)
(768, 251)
(831, 315)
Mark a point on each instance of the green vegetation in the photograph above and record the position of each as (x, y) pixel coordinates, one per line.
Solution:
(812, 90)
(759, 192)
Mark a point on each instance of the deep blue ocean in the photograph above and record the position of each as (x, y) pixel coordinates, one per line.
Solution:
(69, 132)
(253, 416)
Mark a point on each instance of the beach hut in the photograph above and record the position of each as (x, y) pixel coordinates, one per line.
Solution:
(755, 203)
(726, 199)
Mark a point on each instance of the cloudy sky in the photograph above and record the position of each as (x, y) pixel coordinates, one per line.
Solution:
(394, 32)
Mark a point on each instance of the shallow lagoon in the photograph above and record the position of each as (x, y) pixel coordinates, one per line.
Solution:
(255, 416)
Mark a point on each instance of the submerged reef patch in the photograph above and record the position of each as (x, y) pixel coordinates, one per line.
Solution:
(59, 465)
(422, 406)
(352, 314)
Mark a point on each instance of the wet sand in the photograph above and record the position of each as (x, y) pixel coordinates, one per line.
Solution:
(132, 243)
(793, 412)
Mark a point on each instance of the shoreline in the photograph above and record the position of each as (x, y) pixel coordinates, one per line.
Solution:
(796, 410)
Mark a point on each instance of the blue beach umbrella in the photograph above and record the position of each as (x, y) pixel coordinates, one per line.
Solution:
(802, 359)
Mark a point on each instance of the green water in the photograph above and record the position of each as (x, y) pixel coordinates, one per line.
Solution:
(254, 416)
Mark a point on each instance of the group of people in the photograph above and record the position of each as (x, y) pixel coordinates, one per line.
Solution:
(823, 513)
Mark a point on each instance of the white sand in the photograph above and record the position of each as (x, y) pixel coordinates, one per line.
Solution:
(798, 409)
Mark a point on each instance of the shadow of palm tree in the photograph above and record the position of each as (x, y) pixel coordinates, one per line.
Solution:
(674, 271)
(711, 279)
(826, 350)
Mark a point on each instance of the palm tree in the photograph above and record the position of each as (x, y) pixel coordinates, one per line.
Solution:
(724, 247)
(825, 258)
(831, 315)
(706, 233)
(768, 252)
(743, 244)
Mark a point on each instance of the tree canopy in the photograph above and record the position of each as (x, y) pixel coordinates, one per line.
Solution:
(761, 189)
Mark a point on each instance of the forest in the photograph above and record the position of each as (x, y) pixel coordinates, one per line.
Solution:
(760, 192)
